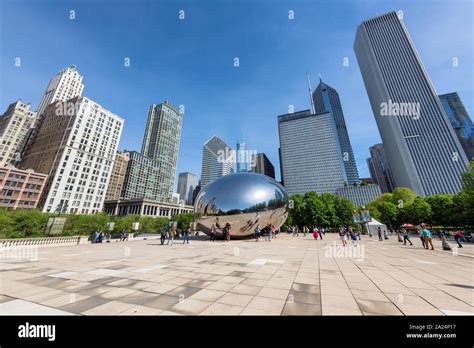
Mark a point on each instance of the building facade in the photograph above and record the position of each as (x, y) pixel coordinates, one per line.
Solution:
(117, 177)
(378, 167)
(142, 179)
(359, 194)
(460, 120)
(261, 164)
(15, 126)
(187, 182)
(326, 99)
(161, 143)
(76, 146)
(312, 162)
(218, 159)
(242, 158)
(20, 188)
(421, 147)
(145, 207)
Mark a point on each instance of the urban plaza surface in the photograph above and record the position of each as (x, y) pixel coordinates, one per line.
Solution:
(288, 276)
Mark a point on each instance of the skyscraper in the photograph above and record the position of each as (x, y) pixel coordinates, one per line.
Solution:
(378, 167)
(15, 125)
(261, 164)
(242, 158)
(161, 143)
(460, 120)
(67, 84)
(187, 182)
(117, 177)
(76, 146)
(326, 99)
(310, 153)
(218, 159)
(421, 147)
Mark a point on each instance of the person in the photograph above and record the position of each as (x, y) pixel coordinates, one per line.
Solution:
(171, 235)
(385, 234)
(163, 234)
(96, 236)
(267, 233)
(427, 236)
(342, 236)
(422, 238)
(272, 230)
(379, 232)
(186, 236)
(257, 233)
(122, 235)
(315, 233)
(213, 232)
(406, 237)
(288, 230)
(353, 236)
(224, 233)
(458, 237)
(304, 231)
(320, 233)
(228, 231)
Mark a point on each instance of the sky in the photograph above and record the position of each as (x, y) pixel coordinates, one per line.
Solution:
(190, 61)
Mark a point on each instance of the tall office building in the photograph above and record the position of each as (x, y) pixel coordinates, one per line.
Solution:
(67, 84)
(378, 167)
(218, 159)
(261, 164)
(242, 158)
(15, 125)
(312, 162)
(117, 177)
(326, 99)
(76, 146)
(161, 143)
(460, 120)
(420, 144)
(359, 194)
(187, 182)
(142, 179)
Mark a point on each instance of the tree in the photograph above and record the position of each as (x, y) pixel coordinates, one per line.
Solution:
(296, 211)
(314, 210)
(441, 209)
(344, 208)
(403, 196)
(29, 222)
(417, 212)
(183, 220)
(388, 213)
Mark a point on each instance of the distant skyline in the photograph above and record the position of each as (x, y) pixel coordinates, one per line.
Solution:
(190, 62)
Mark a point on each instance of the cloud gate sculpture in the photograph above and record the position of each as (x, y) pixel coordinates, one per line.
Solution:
(244, 200)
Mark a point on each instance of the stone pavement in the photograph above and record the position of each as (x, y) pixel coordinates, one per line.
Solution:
(287, 276)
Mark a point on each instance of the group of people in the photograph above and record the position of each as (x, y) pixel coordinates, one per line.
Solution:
(347, 233)
(423, 233)
(269, 231)
(225, 232)
(317, 232)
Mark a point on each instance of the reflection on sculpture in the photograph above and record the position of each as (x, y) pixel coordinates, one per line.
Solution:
(244, 200)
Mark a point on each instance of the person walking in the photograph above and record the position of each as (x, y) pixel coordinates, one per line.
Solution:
(164, 232)
(422, 238)
(321, 233)
(342, 236)
(353, 236)
(268, 233)
(171, 235)
(224, 233)
(427, 236)
(458, 237)
(304, 231)
(379, 233)
(315, 233)
(257, 233)
(406, 237)
(213, 232)
(186, 236)
(229, 228)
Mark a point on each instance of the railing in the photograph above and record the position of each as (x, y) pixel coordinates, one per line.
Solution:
(46, 241)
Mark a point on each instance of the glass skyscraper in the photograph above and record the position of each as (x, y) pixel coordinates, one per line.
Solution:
(161, 143)
(326, 99)
(242, 160)
(460, 120)
(421, 147)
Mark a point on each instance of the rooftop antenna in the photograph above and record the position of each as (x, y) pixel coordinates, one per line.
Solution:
(313, 111)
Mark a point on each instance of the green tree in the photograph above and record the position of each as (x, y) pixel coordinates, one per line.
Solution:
(442, 209)
(296, 211)
(417, 212)
(183, 220)
(388, 213)
(344, 209)
(29, 222)
(314, 210)
(402, 196)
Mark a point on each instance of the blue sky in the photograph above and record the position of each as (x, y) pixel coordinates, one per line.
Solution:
(190, 62)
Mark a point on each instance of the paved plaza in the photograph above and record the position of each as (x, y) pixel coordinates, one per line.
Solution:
(287, 276)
